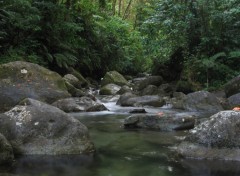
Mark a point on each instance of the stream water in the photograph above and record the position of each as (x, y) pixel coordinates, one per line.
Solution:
(121, 152)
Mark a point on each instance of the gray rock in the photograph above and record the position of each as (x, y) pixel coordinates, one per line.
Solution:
(109, 89)
(202, 101)
(216, 138)
(78, 75)
(233, 86)
(36, 128)
(6, 152)
(161, 122)
(178, 100)
(124, 89)
(234, 100)
(133, 100)
(151, 80)
(19, 80)
(73, 80)
(124, 97)
(79, 104)
(113, 77)
(97, 107)
(74, 91)
(109, 98)
(150, 90)
(165, 90)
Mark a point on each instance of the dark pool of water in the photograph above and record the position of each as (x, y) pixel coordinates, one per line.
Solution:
(121, 152)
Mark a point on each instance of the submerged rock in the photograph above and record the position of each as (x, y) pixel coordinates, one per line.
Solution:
(137, 111)
(216, 138)
(161, 122)
(36, 128)
(79, 104)
(19, 80)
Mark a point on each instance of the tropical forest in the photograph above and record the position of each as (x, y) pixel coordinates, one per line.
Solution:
(119, 87)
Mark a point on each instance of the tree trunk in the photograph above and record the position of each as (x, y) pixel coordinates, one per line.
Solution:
(127, 11)
(114, 7)
(119, 7)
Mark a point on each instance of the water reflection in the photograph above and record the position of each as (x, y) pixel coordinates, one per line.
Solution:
(121, 152)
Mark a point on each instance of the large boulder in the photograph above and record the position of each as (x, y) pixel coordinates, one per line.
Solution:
(234, 100)
(202, 101)
(19, 80)
(150, 90)
(129, 99)
(161, 121)
(150, 80)
(36, 128)
(73, 80)
(83, 82)
(79, 104)
(166, 90)
(115, 78)
(109, 89)
(216, 138)
(233, 86)
(6, 152)
(178, 100)
(124, 89)
(74, 91)
(124, 97)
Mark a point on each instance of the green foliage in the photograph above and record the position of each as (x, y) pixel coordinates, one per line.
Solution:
(64, 33)
(208, 33)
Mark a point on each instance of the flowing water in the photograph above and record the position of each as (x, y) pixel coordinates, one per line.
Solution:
(121, 152)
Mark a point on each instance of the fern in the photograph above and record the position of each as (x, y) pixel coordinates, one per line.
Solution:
(234, 54)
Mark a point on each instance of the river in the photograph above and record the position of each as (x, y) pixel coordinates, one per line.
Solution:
(121, 152)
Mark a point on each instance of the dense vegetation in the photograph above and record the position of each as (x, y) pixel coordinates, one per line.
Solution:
(194, 42)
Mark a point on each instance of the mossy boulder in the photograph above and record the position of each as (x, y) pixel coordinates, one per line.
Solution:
(72, 80)
(83, 82)
(74, 91)
(115, 78)
(109, 89)
(19, 80)
(36, 128)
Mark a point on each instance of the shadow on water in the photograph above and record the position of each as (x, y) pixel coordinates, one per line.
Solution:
(121, 152)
